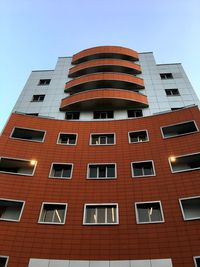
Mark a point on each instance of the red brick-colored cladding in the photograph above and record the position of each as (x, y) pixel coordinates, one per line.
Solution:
(104, 50)
(122, 77)
(104, 62)
(104, 94)
(175, 238)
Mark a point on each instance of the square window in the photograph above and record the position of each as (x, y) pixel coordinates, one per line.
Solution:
(61, 170)
(138, 136)
(101, 171)
(3, 261)
(149, 212)
(100, 214)
(38, 98)
(103, 115)
(72, 115)
(143, 168)
(197, 261)
(44, 82)
(11, 210)
(53, 213)
(190, 208)
(67, 139)
(102, 139)
(135, 113)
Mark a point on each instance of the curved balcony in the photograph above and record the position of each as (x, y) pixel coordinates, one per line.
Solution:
(104, 80)
(104, 65)
(104, 99)
(99, 52)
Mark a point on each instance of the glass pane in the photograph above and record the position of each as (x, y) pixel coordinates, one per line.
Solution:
(198, 261)
(103, 140)
(148, 170)
(91, 215)
(66, 171)
(111, 215)
(149, 212)
(137, 171)
(58, 215)
(110, 139)
(102, 171)
(93, 172)
(48, 215)
(111, 171)
(101, 215)
(3, 262)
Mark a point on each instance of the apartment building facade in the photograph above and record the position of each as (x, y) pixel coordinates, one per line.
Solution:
(100, 164)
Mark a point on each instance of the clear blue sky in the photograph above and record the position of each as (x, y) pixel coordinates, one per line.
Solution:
(35, 32)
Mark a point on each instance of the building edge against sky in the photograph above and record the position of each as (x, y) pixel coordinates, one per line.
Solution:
(100, 165)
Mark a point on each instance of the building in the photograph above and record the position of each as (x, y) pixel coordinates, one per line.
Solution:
(100, 165)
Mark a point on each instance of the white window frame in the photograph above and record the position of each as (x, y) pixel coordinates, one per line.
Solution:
(149, 202)
(175, 124)
(61, 163)
(101, 204)
(53, 203)
(194, 258)
(102, 134)
(7, 259)
(182, 210)
(23, 174)
(22, 209)
(101, 178)
(143, 161)
(63, 144)
(28, 139)
(181, 156)
(129, 138)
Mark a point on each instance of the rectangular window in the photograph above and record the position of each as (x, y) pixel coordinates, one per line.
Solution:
(173, 109)
(179, 129)
(17, 166)
(44, 82)
(3, 261)
(101, 171)
(100, 214)
(11, 210)
(143, 168)
(185, 163)
(38, 98)
(67, 139)
(28, 134)
(138, 136)
(190, 208)
(166, 76)
(197, 261)
(32, 114)
(72, 115)
(61, 170)
(103, 115)
(149, 212)
(53, 213)
(102, 139)
(135, 113)
(172, 92)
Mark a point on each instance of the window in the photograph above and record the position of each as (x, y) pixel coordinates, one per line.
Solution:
(149, 212)
(135, 113)
(197, 261)
(17, 166)
(61, 170)
(72, 115)
(138, 136)
(103, 115)
(166, 76)
(53, 213)
(179, 129)
(44, 82)
(100, 214)
(173, 109)
(11, 210)
(3, 261)
(101, 171)
(102, 139)
(28, 134)
(38, 98)
(185, 163)
(172, 92)
(67, 139)
(143, 168)
(190, 208)
(33, 114)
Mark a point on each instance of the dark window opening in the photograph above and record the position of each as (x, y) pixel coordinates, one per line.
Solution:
(44, 82)
(38, 98)
(103, 115)
(166, 76)
(135, 113)
(172, 92)
(136, 137)
(72, 115)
